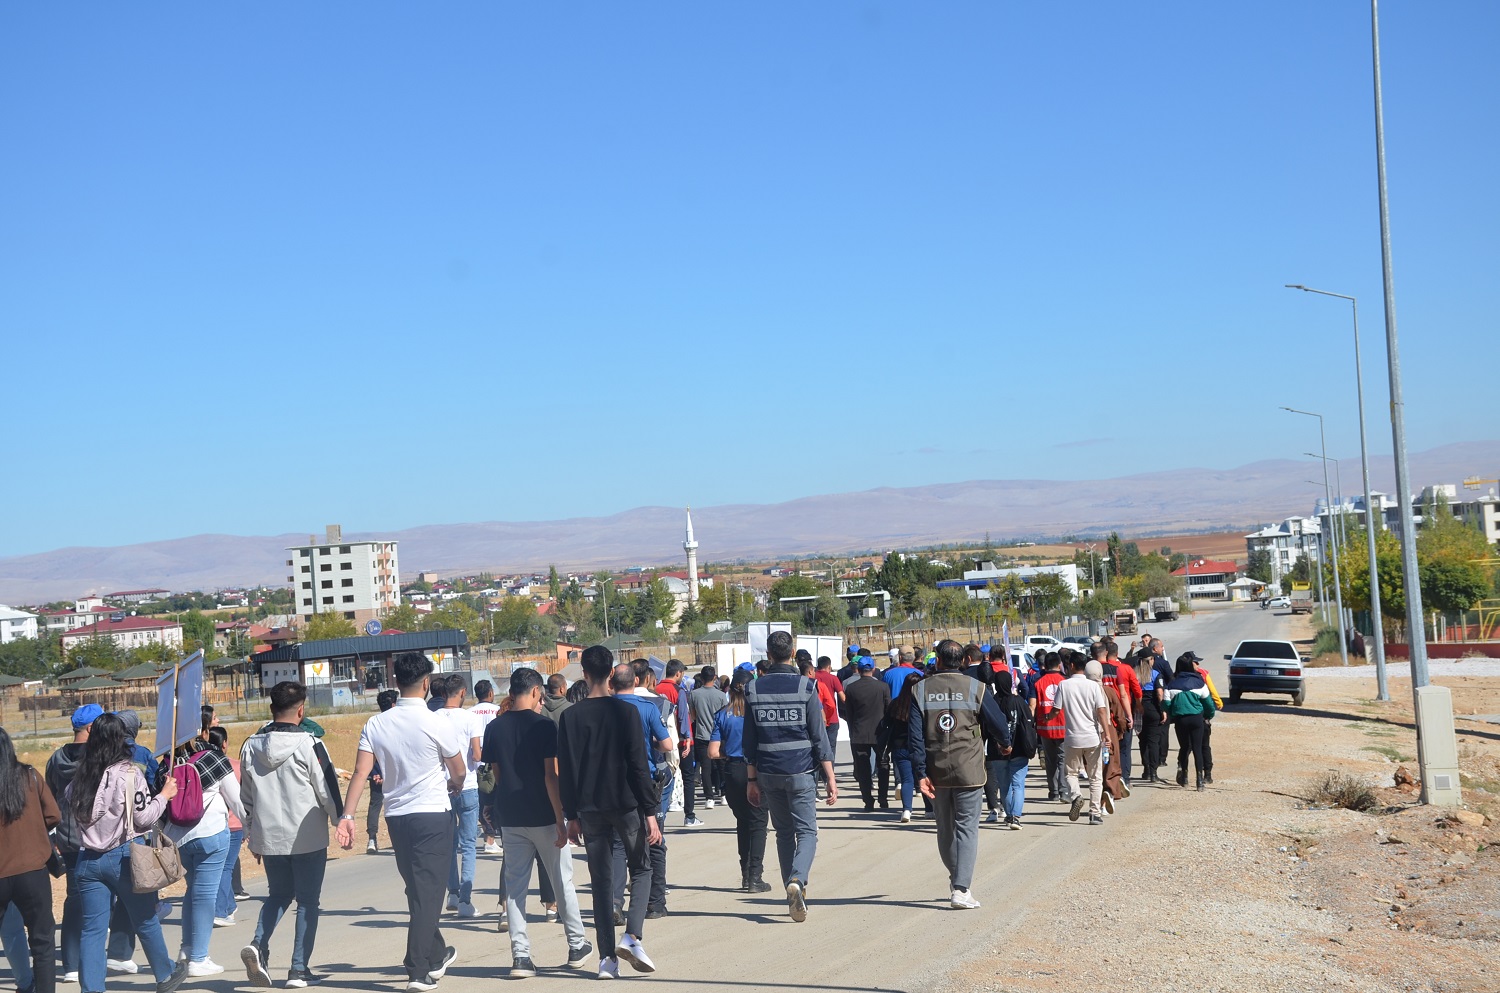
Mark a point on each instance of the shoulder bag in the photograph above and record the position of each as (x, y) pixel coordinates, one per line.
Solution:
(155, 866)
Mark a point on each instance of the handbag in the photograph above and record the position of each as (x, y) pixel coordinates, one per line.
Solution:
(154, 866)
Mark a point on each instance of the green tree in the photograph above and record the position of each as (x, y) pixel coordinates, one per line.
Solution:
(1354, 568)
(511, 621)
(28, 658)
(1259, 566)
(1102, 605)
(197, 632)
(328, 625)
(554, 584)
(1448, 554)
(402, 617)
(99, 652)
(1048, 592)
(790, 586)
(456, 615)
(541, 633)
(1450, 586)
(829, 614)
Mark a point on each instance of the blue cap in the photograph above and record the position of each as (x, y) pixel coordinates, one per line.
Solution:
(854, 648)
(86, 715)
(865, 662)
(984, 647)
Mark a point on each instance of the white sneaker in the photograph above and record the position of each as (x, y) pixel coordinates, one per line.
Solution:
(1109, 804)
(708, 805)
(466, 910)
(905, 817)
(994, 817)
(676, 805)
(796, 901)
(493, 848)
(962, 900)
(68, 977)
(371, 848)
(631, 950)
(224, 921)
(609, 968)
(692, 822)
(125, 967)
(204, 967)
(452, 902)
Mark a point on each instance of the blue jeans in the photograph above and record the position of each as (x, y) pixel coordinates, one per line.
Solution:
(1010, 779)
(465, 829)
(224, 904)
(288, 878)
(902, 758)
(103, 876)
(792, 802)
(17, 949)
(203, 862)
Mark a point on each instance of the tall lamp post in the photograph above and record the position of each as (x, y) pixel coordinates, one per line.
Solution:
(1338, 588)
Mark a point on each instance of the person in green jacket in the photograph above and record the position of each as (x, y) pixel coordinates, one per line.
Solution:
(1190, 705)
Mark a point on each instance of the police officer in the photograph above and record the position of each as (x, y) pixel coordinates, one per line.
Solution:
(947, 728)
(1152, 722)
(785, 742)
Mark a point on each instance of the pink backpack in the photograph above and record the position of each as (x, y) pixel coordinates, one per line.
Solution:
(186, 808)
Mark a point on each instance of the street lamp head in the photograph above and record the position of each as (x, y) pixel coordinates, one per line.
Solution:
(1295, 286)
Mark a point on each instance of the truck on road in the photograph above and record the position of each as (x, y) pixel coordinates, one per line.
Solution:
(1302, 598)
(1161, 608)
(1124, 621)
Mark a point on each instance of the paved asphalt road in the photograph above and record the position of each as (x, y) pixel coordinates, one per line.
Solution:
(879, 917)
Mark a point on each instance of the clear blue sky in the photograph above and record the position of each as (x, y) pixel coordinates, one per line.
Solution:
(526, 261)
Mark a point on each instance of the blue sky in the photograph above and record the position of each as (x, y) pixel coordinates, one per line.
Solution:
(389, 264)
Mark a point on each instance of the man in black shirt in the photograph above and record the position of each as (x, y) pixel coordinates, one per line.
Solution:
(865, 701)
(607, 791)
(520, 747)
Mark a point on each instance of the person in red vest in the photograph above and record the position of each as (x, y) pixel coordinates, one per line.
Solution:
(1050, 728)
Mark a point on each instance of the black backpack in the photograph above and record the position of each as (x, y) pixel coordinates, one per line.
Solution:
(1022, 730)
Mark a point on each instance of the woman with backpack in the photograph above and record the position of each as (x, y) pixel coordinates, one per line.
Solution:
(112, 804)
(27, 812)
(896, 740)
(1010, 770)
(201, 832)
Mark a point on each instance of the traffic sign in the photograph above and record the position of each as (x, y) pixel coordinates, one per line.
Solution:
(372, 627)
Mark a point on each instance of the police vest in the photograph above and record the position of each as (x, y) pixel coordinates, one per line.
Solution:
(778, 703)
(951, 730)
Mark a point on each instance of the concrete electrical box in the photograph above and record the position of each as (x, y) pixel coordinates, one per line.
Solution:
(1439, 746)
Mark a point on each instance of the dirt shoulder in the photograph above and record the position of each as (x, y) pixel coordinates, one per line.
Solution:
(1251, 887)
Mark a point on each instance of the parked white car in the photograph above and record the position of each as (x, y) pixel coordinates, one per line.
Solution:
(1043, 643)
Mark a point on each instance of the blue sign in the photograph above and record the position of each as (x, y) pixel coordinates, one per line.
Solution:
(372, 627)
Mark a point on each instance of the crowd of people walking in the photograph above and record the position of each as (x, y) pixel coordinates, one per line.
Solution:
(599, 764)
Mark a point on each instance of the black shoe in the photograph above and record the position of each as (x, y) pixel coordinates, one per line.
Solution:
(301, 979)
(869, 805)
(578, 956)
(1208, 777)
(174, 980)
(1182, 777)
(241, 895)
(522, 969)
(758, 885)
(619, 919)
(1201, 786)
(655, 913)
(450, 955)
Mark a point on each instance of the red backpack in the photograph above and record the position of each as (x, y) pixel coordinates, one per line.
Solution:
(186, 808)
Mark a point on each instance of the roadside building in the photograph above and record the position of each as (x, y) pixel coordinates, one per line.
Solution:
(358, 664)
(127, 632)
(16, 624)
(977, 582)
(137, 596)
(359, 580)
(1208, 579)
(1286, 543)
(85, 610)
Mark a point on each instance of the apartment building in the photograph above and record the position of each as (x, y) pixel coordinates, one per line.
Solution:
(359, 580)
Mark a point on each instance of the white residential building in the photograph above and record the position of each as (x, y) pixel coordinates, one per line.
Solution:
(126, 631)
(977, 582)
(15, 624)
(360, 580)
(86, 610)
(1286, 543)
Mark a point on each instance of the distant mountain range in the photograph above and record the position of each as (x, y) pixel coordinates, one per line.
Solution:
(1147, 505)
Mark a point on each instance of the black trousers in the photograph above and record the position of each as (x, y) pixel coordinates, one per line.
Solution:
(1126, 740)
(658, 854)
(710, 772)
(1208, 745)
(599, 831)
(1153, 738)
(31, 892)
(1190, 741)
(865, 767)
(372, 814)
(749, 820)
(423, 846)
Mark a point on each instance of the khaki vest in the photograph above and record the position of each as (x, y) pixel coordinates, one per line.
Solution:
(951, 730)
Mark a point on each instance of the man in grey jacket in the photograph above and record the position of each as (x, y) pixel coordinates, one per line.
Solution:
(291, 796)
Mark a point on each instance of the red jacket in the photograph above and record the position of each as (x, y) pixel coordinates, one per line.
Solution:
(1049, 718)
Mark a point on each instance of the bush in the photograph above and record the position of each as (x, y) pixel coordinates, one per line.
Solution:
(1327, 640)
(1339, 789)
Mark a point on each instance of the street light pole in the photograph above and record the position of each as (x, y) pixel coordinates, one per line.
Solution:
(1338, 588)
(1373, 518)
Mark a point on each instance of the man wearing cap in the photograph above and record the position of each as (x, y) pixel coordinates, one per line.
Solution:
(61, 768)
(895, 676)
(850, 668)
(864, 705)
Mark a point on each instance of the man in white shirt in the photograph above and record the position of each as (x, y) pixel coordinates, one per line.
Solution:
(421, 764)
(470, 731)
(1085, 711)
(486, 710)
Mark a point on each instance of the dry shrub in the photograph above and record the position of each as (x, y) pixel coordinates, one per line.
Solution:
(1339, 789)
